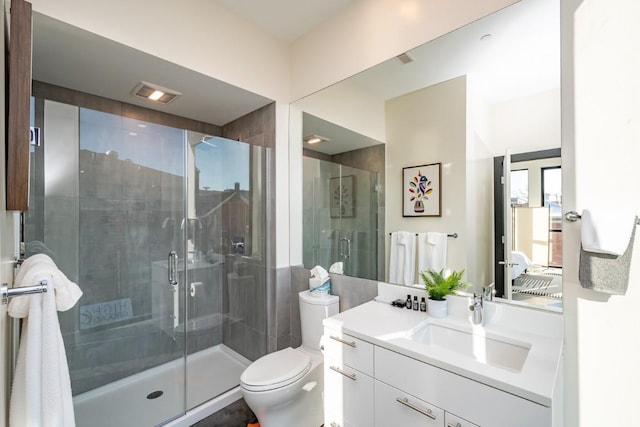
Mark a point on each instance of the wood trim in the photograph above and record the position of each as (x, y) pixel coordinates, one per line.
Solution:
(19, 90)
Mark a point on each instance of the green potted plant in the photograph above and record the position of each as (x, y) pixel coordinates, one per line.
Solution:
(438, 286)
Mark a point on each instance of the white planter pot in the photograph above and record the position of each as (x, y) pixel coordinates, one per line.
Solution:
(437, 308)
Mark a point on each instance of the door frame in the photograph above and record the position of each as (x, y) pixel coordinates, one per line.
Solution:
(498, 208)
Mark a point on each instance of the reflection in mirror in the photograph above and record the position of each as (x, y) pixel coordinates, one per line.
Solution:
(461, 101)
(534, 231)
(343, 209)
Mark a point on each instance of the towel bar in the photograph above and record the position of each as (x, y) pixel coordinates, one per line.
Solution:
(573, 216)
(454, 235)
(6, 292)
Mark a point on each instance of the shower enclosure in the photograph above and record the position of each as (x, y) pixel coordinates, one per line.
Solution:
(342, 218)
(164, 231)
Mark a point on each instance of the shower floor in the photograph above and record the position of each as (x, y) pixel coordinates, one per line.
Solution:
(125, 402)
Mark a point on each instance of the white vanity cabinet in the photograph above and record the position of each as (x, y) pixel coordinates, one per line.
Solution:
(451, 420)
(470, 401)
(394, 407)
(348, 381)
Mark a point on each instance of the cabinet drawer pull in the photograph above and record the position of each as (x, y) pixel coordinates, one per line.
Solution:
(341, 372)
(454, 425)
(349, 343)
(406, 402)
(337, 425)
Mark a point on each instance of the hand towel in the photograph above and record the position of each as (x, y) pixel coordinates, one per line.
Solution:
(607, 232)
(402, 258)
(432, 251)
(605, 272)
(41, 392)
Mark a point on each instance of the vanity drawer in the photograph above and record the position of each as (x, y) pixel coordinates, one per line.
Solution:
(397, 408)
(349, 350)
(469, 399)
(451, 420)
(348, 396)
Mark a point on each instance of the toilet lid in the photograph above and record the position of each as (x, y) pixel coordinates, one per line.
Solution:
(276, 370)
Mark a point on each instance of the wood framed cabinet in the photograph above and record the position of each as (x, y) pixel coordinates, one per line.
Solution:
(18, 111)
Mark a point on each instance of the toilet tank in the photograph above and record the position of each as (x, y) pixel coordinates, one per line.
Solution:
(313, 309)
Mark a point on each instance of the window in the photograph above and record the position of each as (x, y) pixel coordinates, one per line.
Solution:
(520, 188)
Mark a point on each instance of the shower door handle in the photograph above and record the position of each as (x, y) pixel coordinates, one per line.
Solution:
(345, 254)
(172, 268)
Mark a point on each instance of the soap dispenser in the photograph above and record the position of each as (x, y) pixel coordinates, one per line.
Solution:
(423, 305)
(415, 303)
(407, 304)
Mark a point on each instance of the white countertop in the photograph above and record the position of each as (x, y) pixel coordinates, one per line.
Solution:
(389, 327)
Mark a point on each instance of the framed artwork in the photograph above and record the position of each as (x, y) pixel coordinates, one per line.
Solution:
(421, 190)
(341, 197)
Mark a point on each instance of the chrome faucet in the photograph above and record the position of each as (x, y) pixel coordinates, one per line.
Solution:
(476, 309)
(488, 292)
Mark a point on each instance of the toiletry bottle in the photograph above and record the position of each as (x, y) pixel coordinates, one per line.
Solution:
(423, 305)
(407, 304)
(415, 303)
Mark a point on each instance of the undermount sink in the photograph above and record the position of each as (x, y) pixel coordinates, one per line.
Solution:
(485, 348)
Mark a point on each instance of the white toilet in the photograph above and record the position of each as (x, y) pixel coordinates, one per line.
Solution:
(285, 388)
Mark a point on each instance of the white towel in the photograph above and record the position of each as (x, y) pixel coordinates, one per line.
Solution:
(607, 232)
(41, 393)
(432, 251)
(402, 258)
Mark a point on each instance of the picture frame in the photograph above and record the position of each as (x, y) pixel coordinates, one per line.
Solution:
(341, 197)
(421, 190)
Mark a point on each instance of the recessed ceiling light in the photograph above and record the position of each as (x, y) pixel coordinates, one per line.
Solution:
(315, 139)
(132, 134)
(155, 93)
(142, 126)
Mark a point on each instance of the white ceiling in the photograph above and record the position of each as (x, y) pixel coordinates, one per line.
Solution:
(520, 58)
(286, 19)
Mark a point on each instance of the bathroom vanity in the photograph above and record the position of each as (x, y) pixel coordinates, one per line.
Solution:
(387, 366)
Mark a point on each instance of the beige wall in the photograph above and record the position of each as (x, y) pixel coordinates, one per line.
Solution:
(199, 34)
(601, 348)
(423, 127)
(529, 123)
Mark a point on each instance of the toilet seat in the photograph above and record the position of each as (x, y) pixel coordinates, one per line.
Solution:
(276, 370)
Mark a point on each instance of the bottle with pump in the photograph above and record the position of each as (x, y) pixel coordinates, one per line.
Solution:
(415, 303)
(423, 305)
(407, 304)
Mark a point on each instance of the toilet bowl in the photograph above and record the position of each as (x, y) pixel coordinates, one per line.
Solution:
(285, 388)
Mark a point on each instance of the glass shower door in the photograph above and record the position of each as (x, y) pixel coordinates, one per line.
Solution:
(341, 222)
(107, 200)
(225, 323)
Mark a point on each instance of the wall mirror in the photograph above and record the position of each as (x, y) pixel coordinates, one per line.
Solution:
(461, 100)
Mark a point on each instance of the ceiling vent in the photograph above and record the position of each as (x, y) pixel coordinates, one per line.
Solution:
(405, 58)
(155, 93)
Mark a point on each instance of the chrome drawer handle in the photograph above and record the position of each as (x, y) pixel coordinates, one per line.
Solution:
(334, 424)
(406, 403)
(341, 372)
(454, 425)
(349, 343)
